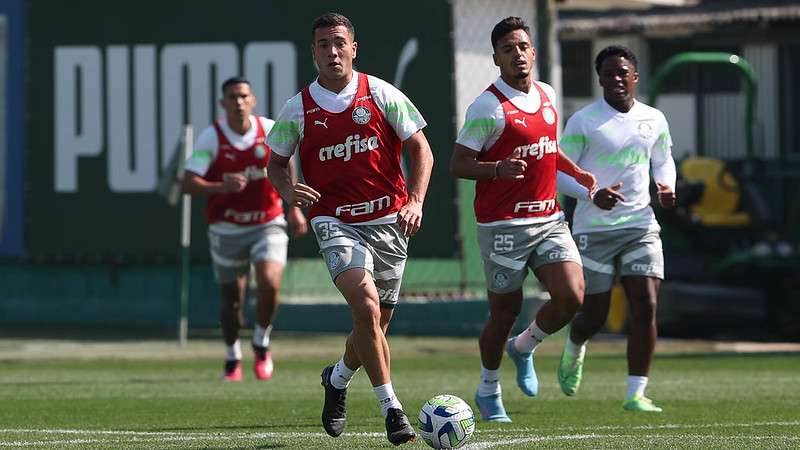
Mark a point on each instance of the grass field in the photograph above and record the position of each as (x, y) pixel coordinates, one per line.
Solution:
(126, 394)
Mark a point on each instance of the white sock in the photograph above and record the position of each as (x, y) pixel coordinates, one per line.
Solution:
(386, 398)
(636, 386)
(342, 375)
(527, 341)
(574, 351)
(261, 336)
(490, 382)
(233, 352)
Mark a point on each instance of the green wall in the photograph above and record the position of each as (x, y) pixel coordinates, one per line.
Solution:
(109, 83)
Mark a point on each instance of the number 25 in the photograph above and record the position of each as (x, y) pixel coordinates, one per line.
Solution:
(503, 242)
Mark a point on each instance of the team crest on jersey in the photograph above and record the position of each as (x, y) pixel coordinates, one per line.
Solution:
(260, 151)
(549, 115)
(500, 280)
(645, 130)
(361, 115)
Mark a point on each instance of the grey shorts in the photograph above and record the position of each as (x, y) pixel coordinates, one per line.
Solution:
(231, 254)
(508, 251)
(382, 250)
(627, 252)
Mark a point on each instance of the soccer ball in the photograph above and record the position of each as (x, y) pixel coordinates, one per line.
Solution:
(446, 421)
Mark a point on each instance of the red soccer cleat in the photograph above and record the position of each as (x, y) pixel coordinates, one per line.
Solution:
(233, 371)
(263, 366)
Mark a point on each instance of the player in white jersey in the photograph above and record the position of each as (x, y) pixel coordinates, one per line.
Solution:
(246, 221)
(620, 140)
(508, 144)
(349, 129)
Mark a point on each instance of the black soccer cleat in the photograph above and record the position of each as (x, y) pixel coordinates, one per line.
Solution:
(334, 411)
(398, 429)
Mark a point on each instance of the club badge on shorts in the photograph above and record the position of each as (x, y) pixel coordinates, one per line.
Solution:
(500, 280)
(334, 260)
(361, 115)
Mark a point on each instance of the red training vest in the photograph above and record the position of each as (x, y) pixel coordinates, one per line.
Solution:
(535, 136)
(352, 159)
(259, 202)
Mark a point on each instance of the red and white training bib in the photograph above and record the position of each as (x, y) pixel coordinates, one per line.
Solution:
(352, 159)
(259, 202)
(534, 135)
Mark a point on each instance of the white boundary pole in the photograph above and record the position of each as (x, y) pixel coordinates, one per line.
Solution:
(186, 239)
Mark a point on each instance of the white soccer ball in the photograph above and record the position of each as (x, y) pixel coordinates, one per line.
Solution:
(446, 421)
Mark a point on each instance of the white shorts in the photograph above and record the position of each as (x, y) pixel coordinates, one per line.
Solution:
(231, 254)
(508, 251)
(625, 252)
(382, 250)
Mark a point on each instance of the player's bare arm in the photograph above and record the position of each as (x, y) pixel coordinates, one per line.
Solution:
(194, 184)
(464, 164)
(294, 194)
(298, 225)
(409, 218)
(566, 165)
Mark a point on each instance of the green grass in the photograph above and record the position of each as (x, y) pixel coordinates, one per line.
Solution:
(56, 394)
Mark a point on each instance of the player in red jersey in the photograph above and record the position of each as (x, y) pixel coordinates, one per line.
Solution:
(509, 145)
(349, 129)
(246, 220)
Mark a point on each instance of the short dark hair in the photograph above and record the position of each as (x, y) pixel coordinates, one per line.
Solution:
(233, 80)
(332, 19)
(506, 26)
(614, 50)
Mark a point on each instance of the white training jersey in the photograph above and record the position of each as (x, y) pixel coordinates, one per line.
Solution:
(619, 147)
(485, 119)
(205, 152)
(401, 114)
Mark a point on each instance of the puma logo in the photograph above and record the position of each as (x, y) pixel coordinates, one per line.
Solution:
(324, 123)
(521, 122)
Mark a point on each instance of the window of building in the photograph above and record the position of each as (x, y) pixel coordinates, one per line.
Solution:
(577, 71)
(789, 64)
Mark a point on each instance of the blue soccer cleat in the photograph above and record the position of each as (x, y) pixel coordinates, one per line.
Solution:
(491, 408)
(526, 375)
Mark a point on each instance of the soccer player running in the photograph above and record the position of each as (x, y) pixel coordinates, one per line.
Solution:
(619, 139)
(246, 220)
(349, 129)
(509, 145)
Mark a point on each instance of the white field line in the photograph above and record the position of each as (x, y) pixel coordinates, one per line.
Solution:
(176, 434)
(716, 438)
(182, 436)
(482, 445)
(39, 443)
(108, 440)
(472, 446)
(667, 426)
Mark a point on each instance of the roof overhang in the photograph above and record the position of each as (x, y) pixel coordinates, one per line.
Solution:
(659, 19)
(620, 4)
